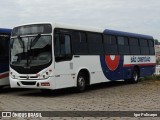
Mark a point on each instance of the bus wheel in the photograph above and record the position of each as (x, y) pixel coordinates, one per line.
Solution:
(135, 76)
(1, 87)
(81, 82)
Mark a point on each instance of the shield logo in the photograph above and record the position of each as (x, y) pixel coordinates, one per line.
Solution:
(27, 77)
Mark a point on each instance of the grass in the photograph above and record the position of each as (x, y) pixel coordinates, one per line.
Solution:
(153, 77)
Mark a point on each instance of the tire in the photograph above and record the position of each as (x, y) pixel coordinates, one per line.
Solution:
(81, 82)
(1, 87)
(135, 76)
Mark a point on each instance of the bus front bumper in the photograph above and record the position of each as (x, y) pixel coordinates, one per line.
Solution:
(38, 84)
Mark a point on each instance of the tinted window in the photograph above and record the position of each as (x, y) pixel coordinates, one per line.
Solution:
(133, 42)
(110, 45)
(67, 47)
(79, 43)
(134, 46)
(144, 50)
(62, 44)
(110, 40)
(95, 43)
(83, 38)
(4, 45)
(151, 43)
(120, 40)
(123, 45)
(151, 47)
(144, 47)
(143, 42)
(94, 38)
(152, 50)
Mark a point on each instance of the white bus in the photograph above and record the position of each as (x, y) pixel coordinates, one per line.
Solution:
(54, 56)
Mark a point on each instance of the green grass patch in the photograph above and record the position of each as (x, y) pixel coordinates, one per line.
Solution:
(153, 77)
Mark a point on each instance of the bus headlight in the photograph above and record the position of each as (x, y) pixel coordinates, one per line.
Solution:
(12, 75)
(45, 75)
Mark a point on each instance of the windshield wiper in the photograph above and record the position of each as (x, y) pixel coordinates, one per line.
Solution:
(21, 42)
(32, 43)
(35, 40)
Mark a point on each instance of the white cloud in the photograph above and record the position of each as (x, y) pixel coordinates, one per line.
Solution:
(140, 16)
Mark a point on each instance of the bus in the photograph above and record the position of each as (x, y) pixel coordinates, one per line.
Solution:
(4, 56)
(50, 56)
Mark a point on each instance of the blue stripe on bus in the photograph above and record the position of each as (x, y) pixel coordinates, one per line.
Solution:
(127, 34)
(5, 31)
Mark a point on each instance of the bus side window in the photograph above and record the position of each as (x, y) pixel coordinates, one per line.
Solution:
(4, 49)
(57, 44)
(79, 43)
(123, 45)
(110, 45)
(134, 46)
(66, 45)
(62, 44)
(144, 47)
(151, 47)
(95, 43)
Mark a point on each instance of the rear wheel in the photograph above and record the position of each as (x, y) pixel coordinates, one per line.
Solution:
(81, 82)
(135, 76)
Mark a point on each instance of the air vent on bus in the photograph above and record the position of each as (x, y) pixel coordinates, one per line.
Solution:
(33, 76)
(24, 77)
(28, 83)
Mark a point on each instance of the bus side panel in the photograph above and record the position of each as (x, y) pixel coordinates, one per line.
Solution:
(118, 67)
(146, 65)
(63, 74)
(147, 71)
(66, 72)
(4, 74)
(4, 81)
(92, 64)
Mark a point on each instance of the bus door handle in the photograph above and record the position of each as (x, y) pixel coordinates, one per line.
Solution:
(57, 76)
(77, 56)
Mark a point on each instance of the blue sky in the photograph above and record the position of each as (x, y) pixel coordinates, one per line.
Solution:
(136, 16)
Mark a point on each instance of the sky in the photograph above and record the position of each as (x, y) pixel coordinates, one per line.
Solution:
(136, 16)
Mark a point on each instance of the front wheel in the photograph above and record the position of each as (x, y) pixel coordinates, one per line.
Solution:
(81, 82)
(1, 87)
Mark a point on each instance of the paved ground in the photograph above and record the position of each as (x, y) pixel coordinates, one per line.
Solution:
(114, 96)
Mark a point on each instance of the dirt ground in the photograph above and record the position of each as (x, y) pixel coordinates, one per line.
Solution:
(112, 96)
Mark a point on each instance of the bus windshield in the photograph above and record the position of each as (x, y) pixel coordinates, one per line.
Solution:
(31, 51)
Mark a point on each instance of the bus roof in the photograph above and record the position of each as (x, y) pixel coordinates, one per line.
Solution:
(100, 30)
(93, 29)
(77, 27)
(127, 34)
(5, 31)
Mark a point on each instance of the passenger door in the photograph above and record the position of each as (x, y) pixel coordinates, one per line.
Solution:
(63, 57)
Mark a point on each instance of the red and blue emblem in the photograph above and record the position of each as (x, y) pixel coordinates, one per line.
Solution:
(112, 66)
